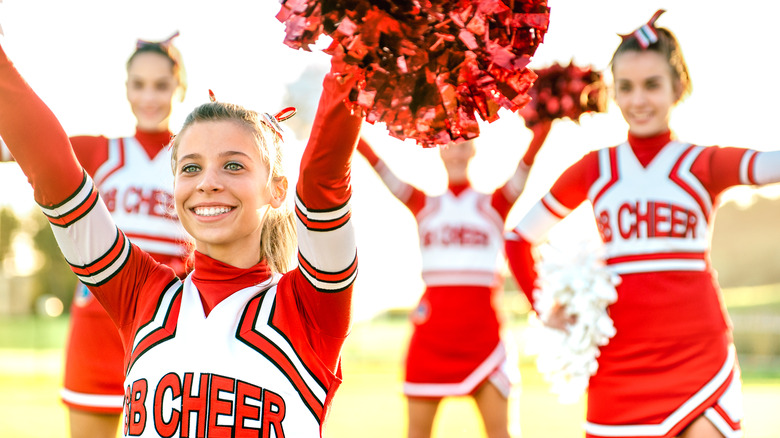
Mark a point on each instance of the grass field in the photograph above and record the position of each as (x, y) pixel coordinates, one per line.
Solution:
(369, 403)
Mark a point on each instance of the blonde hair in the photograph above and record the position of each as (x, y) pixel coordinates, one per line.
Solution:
(278, 238)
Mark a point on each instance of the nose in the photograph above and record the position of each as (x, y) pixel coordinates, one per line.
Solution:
(210, 181)
(638, 96)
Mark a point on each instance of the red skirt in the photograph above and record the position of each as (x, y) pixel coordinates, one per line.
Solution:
(456, 344)
(94, 358)
(657, 388)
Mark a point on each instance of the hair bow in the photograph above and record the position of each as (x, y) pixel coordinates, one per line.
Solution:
(272, 121)
(165, 44)
(647, 34)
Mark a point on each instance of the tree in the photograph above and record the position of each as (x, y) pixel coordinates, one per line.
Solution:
(54, 276)
(9, 224)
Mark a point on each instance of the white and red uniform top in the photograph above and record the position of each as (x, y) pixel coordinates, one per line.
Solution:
(461, 230)
(654, 201)
(226, 352)
(461, 239)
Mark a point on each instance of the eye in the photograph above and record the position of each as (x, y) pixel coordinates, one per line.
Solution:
(190, 168)
(233, 166)
(163, 86)
(653, 84)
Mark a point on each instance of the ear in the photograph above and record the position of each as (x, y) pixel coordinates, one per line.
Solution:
(180, 92)
(678, 90)
(278, 191)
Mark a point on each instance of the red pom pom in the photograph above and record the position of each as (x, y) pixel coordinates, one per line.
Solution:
(561, 92)
(425, 67)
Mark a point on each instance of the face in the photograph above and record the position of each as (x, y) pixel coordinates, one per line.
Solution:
(151, 86)
(221, 190)
(456, 158)
(645, 91)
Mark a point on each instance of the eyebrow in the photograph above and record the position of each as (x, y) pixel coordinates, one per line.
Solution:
(651, 78)
(221, 155)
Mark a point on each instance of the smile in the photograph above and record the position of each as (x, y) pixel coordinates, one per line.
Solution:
(211, 211)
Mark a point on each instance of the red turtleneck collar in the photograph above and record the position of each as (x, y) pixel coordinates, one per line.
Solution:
(458, 188)
(153, 141)
(646, 148)
(216, 280)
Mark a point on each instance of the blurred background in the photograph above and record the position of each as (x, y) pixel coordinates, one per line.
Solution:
(73, 54)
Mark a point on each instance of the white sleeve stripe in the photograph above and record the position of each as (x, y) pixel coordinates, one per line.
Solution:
(554, 206)
(322, 215)
(744, 167)
(330, 286)
(99, 277)
(766, 167)
(536, 224)
(90, 240)
(73, 202)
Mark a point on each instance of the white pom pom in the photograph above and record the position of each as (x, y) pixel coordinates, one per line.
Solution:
(577, 280)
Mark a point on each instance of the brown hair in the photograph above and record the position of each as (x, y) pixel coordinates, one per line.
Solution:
(278, 238)
(668, 46)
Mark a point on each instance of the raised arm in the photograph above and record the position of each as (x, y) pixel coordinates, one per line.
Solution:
(413, 198)
(505, 197)
(36, 139)
(327, 256)
(98, 253)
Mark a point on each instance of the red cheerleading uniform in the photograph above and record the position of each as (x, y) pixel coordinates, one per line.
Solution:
(227, 351)
(456, 343)
(672, 359)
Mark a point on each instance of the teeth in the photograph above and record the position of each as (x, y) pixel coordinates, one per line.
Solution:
(211, 211)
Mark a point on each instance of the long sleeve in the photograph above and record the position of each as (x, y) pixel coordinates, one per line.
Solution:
(413, 198)
(766, 167)
(327, 256)
(521, 263)
(99, 254)
(36, 139)
(504, 198)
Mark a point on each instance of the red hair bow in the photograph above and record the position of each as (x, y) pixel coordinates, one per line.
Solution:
(165, 44)
(647, 34)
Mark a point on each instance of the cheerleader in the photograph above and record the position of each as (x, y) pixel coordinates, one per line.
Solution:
(671, 369)
(243, 346)
(132, 176)
(456, 347)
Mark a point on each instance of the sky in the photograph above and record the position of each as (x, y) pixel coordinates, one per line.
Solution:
(73, 54)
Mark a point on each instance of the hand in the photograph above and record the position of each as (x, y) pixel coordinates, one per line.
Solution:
(559, 319)
(540, 131)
